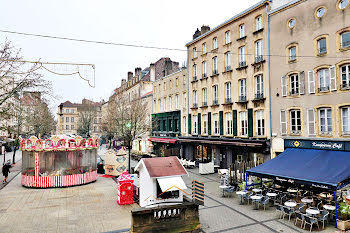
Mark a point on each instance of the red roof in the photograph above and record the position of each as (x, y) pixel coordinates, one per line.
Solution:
(164, 166)
(163, 140)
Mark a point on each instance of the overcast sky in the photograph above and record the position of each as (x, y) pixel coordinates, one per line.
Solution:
(143, 22)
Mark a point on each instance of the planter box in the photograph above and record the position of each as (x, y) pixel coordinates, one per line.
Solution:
(343, 225)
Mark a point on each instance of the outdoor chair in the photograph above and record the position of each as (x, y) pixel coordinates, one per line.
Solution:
(288, 211)
(247, 197)
(301, 207)
(323, 217)
(264, 201)
(310, 221)
(299, 216)
(230, 190)
(279, 209)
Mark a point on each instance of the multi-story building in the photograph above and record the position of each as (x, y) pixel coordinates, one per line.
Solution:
(69, 115)
(168, 111)
(310, 75)
(228, 115)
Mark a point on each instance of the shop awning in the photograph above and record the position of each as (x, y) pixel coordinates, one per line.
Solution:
(171, 183)
(318, 168)
(163, 140)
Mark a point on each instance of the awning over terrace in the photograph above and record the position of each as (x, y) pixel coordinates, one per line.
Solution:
(319, 168)
(163, 140)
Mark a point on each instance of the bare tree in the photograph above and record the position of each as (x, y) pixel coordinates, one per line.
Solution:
(87, 115)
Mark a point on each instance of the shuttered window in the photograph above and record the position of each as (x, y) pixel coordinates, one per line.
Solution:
(221, 120)
(311, 122)
(189, 124)
(311, 79)
(209, 123)
(234, 119)
(250, 122)
(283, 121)
(332, 79)
(302, 83)
(284, 85)
(199, 123)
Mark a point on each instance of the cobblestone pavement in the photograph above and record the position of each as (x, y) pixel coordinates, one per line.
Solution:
(225, 214)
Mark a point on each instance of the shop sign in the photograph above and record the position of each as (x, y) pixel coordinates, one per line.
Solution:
(285, 180)
(321, 145)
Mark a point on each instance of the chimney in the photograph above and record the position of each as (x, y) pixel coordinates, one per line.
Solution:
(196, 34)
(152, 72)
(137, 71)
(205, 29)
(129, 76)
(123, 81)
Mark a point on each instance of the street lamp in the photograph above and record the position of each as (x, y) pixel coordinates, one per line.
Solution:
(128, 125)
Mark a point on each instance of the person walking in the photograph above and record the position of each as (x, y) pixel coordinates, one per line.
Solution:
(6, 171)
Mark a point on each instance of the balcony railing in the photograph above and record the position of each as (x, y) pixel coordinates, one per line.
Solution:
(194, 78)
(227, 68)
(322, 50)
(345, 85)
(204, 104)
(242, 98)
(215, 102)
(204, 75)
(215, 72)
(322, 89)
(259, 58)
(259, 96)
(195, 105)
(228, 100)
(242, 64)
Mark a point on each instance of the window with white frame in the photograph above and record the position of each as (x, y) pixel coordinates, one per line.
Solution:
(229, 125)
(204, 96)
(345, 76)
(165, 106)
(258, 51)
(185, 124)
(205, 123)
(292, 53)
(195, 124)
(345, 120)
(215, 65)
(260, 123)
(295, 121)
(325, 120)
(322, 45)
(242, 54)
(227, 37)
(194, 52)
(259, 90)
(195, 103)
(215, 95)
(241, 31)
(204, 69)
(215, 43)
(294, 84)
(170, 102)
(345, 39)
(216, 123)
(242, 90)
(177, 101)
(258, 23)
(204, 48)
(194, 72)
(243, 123)
(228, 92)
(227, 61)
(323, 80)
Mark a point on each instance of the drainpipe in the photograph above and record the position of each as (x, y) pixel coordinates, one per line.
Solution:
(269, 74)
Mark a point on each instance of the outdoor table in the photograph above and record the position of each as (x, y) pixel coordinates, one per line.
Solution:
(223, 187)
(312, 211)
(290, 204)
(307, 200)
(256, 190)
(329, 207)
(241, 193)
(271, 194)
(292, 190)
(256, 198)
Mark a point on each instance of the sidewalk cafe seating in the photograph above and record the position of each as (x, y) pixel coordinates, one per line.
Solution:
(323, 217)
(247, 197)
(299, 216)
(288, 211)
(264, 201)
(310, 221)
(279, 208)
(230, 189)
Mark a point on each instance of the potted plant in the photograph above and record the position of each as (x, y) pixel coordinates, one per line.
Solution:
(344, 221)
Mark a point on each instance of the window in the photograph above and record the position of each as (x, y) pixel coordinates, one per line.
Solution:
(185, 99)
(72, 111)
(165, 106)
(204, 48)
(345, 76)
(345, 120)
(242, 61)
(260, 123)
(205, 123)
(259, 80)
(177, 101)
(345, 40)
(72, 127)
(325, 120)
(291, 23)
(67, 110)
(294, 84)
(170, 103)
(259, 51)
(184, 123)
(227, 37)
(242, 90)
(283, 122)
(258, 23)
(292, 53)
(194, 52)
(204, 96)
(227, 61)
(72, 119)
(215, 43)
(343, 3)
(228, 92)
(243, 123)
(215, 65)
(323, 78)
(204, 69)
(320, 12)
(229, 126)
(160, 105)
(215, 95)
(216, 123)
(322, 46)
(195, 122)
(295, 122)
(194, 72)
(241, 31)
(67, 126)
(195, 99)
(67, 119)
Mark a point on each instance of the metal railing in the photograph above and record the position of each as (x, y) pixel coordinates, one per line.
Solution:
(227, 68)
(205, 103)
(242, 98)
(195, 105)
(215, 102)
(215, 72)
(204, 75)
(259, 96)
(228, 100)
(242, 64)
(259, 58)
(194, 78)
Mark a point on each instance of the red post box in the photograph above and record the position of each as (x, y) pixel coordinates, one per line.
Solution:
(125, 189)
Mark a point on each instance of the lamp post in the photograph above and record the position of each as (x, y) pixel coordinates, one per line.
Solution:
(128, 125)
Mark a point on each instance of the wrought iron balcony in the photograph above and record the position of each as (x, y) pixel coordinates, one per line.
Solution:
(195, 105)
(204, 104)
(215, 102)
(259, 58)
(242, 64)
(194, 78)
(259, 96)
(204, 75)
(243, 98)
(215, 72)
(228, 100)
(227, 68)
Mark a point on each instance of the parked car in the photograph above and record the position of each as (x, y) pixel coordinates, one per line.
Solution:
(100, 165)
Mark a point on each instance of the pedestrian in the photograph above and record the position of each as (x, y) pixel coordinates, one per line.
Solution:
(6, 171)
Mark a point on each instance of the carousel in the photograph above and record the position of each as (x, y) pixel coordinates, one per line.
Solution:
(59, 161)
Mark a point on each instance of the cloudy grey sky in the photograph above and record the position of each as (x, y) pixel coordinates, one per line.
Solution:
(152, 23)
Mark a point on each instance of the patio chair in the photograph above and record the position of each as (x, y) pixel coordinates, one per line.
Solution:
(247, 197)
(299, 216)
(323, 217)
(279, 208)
(301, 207)
(264, 201)
(310, 221)
(288, 211)
(230, 190)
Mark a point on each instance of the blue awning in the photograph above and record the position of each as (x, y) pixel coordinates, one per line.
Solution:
(319, 168)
